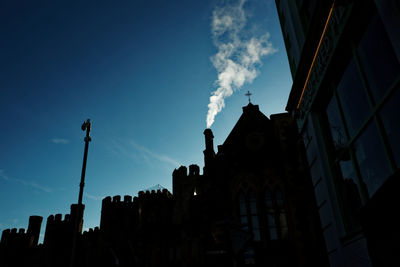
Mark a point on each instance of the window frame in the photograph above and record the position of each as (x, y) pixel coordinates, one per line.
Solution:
(373, 116)
(276, 211)
(249, 214)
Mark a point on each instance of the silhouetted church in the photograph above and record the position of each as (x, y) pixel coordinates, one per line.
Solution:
(253, 205)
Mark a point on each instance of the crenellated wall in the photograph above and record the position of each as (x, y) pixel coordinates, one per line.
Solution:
(117, 216)
(124, 217)
(184, 184)
(18, 247)
(58, 230)
(15, 238)
(91, 235)
(20, 238)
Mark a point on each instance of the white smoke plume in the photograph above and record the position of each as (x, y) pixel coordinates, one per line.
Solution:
(238, 55)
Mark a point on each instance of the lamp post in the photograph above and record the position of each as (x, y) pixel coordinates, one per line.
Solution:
(86, 126)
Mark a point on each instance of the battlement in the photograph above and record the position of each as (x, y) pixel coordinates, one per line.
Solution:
(91, 231)
(183, 182)
(194, 170)
(14, 237)
(54, 219)
(57, 227)
(20, 237)
(129, 200)
(59, 230)
(12, 233)
(117, 200)
(164, 193)
(182, 171)
(117, 214)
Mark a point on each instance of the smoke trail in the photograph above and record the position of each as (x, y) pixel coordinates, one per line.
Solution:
(237, 56)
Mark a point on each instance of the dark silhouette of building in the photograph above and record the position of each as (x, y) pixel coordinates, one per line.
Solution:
(139, 232)
(252, 205)
(345, 63)
(58, 237)
(20, 248)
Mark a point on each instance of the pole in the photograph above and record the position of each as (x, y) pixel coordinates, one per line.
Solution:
(86, 126)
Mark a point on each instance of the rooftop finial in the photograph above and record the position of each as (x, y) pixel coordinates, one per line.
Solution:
(248, 94)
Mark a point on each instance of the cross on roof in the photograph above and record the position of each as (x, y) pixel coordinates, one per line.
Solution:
(248, 94)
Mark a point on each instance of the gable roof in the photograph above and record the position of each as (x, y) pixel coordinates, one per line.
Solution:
(251, 121)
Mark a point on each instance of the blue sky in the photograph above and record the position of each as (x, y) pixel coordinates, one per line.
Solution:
(143, 71)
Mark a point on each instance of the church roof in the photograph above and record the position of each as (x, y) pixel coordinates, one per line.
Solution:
(252, 119)
(251, 125)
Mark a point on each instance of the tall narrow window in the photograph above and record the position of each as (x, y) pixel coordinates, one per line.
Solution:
(270, 211)
(249, 215)
(281, 214)
(254, 216)
(243, 212)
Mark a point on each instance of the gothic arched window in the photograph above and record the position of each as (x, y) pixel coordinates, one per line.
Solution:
(253, 214)
(281, 214)
(248, 214)
(270, 212)
(243, 211)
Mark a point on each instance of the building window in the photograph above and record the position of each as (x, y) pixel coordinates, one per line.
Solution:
(243, 212)
(351, 196)
(363, 122)
(339, 137)
(254, 216)
(390, 118)
(311, 147)
(378, 59)
(353, 98)
(270, 212)
(347, 185)
(363, 114)
(371, 158)
(249, 215)
(281, 214)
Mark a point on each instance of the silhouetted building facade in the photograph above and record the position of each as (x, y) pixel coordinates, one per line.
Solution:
(58, 237)
(253, 205)
(138, 231)
(345, 62)
(20, 248)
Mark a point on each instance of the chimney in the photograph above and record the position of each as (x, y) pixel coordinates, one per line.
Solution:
(209, 139)
(209, 153)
